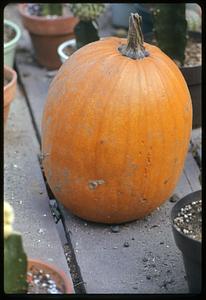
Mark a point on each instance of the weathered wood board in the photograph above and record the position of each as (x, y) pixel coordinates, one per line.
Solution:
(24, 188)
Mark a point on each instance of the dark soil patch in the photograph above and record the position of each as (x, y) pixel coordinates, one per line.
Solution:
(189, 220)
(6, 81)
(69, 50)
(9, 33)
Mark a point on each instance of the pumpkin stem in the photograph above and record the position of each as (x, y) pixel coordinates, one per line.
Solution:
(134, 48)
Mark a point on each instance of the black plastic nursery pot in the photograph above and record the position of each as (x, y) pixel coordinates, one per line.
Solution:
(191, 249)
(193, 77)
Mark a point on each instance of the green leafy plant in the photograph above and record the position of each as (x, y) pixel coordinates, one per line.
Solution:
(15, 259)
(86, 31)
(170, 28)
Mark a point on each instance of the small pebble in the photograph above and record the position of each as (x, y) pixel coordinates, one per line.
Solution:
(153, 265)
(115, 228)
(51, 74)
(174, 199)
(145, 259)
(26, 74)
(126, 244)
(153, 226)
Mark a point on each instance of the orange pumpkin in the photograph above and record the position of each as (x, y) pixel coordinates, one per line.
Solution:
(116, 129)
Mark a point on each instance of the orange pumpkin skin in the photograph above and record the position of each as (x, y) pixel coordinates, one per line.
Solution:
(115, 132)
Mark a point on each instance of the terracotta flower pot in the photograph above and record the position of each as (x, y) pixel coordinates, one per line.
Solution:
(9, 89)
(58, 276)
(47, 34)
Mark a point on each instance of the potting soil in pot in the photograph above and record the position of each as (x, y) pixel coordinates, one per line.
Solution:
(189, 220)
(40, 282)
(6, 81)
(69, 50)
(9, 33)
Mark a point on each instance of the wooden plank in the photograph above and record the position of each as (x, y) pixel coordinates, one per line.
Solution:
(192, 172)
(24, 188)
(35, 81)
(196, 144)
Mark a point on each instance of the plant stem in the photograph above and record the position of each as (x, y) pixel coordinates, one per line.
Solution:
(135, 42)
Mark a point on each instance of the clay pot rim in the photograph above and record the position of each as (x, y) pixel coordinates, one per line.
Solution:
(67, 281)
(13, 74)
(22, 6)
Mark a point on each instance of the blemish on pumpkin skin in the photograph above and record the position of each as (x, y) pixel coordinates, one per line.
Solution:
(93, 184)
(57, 188)
(176, 160)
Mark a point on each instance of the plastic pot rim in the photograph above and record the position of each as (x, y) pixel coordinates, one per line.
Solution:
(62, 46)
(17, 31)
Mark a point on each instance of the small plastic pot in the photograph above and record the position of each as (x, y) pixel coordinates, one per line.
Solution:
(63, 56)
(193, 77)
(191, 249)
(10, 47)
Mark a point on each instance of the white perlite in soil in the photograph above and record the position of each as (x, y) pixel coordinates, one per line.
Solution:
(40, 282)
(189, 220)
